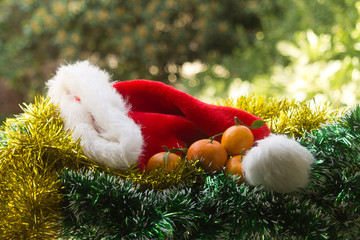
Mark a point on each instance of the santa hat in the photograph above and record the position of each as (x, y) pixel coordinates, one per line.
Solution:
(125, 122)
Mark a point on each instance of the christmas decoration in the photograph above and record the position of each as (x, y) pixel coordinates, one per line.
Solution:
(96, 113)
(219, 208)
(51, 186)
(185, 173)
(109, 126)
(109, 122)
(286, 171)
(34, 148)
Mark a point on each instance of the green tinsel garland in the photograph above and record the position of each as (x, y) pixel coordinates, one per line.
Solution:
(218, 208)
(336, 174)
(103, 207)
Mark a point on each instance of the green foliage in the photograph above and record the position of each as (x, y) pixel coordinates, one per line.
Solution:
(132, 39)
(103, 206)
(320, 61)
(304, 49)
(307, 49)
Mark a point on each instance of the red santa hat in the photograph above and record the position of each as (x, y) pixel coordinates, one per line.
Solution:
(125, 122)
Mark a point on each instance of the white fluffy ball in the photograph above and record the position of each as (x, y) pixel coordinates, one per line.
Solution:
(278, 163)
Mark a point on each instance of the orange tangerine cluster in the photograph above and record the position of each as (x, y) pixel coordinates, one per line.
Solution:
(214, 155)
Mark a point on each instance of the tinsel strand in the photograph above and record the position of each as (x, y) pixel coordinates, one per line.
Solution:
(34, 148)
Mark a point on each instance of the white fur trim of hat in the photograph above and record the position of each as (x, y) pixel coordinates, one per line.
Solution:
(96, 114)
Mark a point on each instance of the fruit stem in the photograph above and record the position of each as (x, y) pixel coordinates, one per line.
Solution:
(238, 122)
(255, 125)
(175, 150)
(213, 137)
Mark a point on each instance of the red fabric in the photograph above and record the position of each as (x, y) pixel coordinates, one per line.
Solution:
(173, 118)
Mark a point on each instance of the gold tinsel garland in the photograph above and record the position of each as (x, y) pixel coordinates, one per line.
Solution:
(185, 172)
(285, 116)
(34, 148)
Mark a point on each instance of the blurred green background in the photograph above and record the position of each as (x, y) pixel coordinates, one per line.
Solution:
(306, 49)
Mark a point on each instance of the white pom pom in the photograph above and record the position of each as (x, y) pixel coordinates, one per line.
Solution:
(278, 163)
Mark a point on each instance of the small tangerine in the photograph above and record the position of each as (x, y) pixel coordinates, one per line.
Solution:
(237, 139)
(234, 167)
(211, 153)
(158, 160)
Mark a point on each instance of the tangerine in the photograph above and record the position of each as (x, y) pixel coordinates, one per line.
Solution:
(211, 153)
(237, 139)
(234, 167)
(160, 160)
